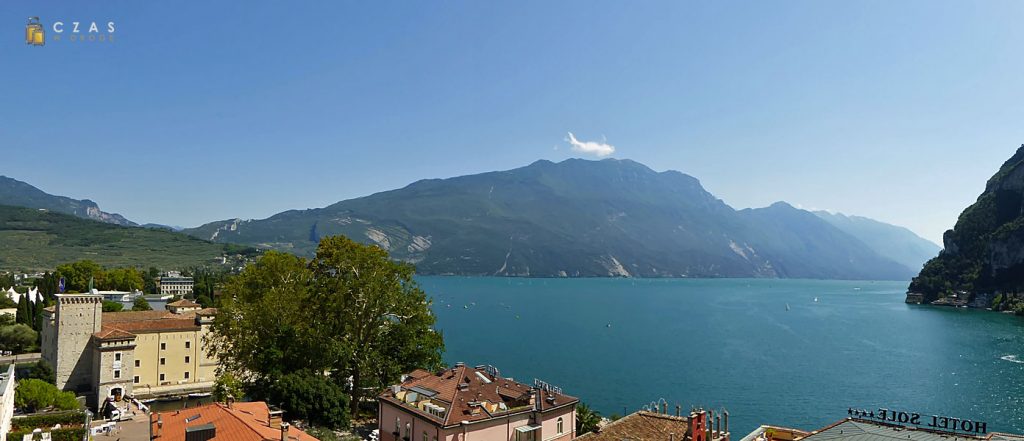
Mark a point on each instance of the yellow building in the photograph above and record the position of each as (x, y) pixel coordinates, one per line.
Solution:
(137, 353)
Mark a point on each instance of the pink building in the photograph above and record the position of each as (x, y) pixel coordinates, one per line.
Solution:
(474, 404)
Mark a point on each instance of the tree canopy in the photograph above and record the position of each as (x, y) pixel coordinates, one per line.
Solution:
(361, 314)
(33, 395)
(141, 304)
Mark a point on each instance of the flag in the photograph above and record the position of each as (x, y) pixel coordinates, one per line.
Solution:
(60, 285)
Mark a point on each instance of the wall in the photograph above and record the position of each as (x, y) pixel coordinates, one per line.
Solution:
(498, 429)
(549, 431)
(106, 363)
(148, 352)
(6, 402)
(78, 316)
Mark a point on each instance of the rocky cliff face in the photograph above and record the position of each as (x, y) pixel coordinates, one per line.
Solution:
(20, 194)
(984, 252)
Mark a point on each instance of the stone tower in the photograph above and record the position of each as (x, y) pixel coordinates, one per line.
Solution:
(69, 330)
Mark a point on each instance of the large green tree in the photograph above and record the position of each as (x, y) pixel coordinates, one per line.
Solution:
(77, 274)
(381, 323)
(361, 314)
(33, 395)
(18, 338)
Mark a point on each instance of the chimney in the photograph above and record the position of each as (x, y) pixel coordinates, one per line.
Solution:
(274, 418)
(231, 401)
(284, 431)
(672, 436)
(718, 425)
(678, 410)
(159, 426)
(664, 408)
(725, 421)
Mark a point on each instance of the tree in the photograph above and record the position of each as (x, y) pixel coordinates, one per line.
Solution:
(77, 274)
(381, 323)
(33, 395)
(227, 385)
(149, 280)
(141, 304)
(272, 318)
(42, 371)
(587, 419)
(110, 306)
(18, 338)
(312, 397)
(204, 301)
(122, 279)
(65, 401)
(24, 310)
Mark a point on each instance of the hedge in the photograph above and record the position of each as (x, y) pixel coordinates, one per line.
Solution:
(74, 434)
(47, 420)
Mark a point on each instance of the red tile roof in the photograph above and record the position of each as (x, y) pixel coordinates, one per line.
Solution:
(641, 426)
(183, 302)
(457, 401)
(242, 422)
(137, 322)
(113, 334)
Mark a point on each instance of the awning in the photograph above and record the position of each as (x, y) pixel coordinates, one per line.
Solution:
(528, 428)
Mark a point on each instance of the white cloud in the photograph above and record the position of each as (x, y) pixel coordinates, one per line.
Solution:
(598, 149)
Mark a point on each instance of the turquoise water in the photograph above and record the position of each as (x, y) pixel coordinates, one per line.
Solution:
(619, 344)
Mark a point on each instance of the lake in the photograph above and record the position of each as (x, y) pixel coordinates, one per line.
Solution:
(619, 344)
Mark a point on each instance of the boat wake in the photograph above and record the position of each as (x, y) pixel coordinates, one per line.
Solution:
(1011, 358)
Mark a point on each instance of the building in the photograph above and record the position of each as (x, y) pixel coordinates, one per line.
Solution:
(699, 425)
(474, 404)
(137, 353)
(6, 401)
(886, 424)
(217, 421)
(174, 284)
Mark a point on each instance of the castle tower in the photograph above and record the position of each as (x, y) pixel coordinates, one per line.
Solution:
(67, 332)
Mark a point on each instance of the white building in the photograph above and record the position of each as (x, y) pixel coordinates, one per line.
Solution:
(6, 401)
(174, 284)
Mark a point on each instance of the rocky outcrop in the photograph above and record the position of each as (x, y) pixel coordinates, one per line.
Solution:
(983, 255)
(20, 194)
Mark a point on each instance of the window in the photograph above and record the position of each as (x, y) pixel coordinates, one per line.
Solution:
(559, 424)
(187, 359)
(398, 426)
(117, 373)
(161, 377)
(163, 346)
(117, 356)
(186, 375)
(408, 428)
(163, 361)
(138, 363)
(425, 436)
(135, 380)
(188, 344)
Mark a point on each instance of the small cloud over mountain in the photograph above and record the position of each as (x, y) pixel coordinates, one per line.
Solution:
(599, 149)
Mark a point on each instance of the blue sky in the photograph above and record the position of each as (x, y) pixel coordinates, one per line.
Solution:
(196, 112)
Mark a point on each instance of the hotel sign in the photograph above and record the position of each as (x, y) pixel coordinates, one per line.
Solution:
(930, 422)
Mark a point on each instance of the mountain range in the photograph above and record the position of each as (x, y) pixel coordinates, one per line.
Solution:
(582, 218)
(33, 239)
(20, 194)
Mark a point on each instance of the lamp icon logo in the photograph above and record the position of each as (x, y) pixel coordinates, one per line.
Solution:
(34, 33)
